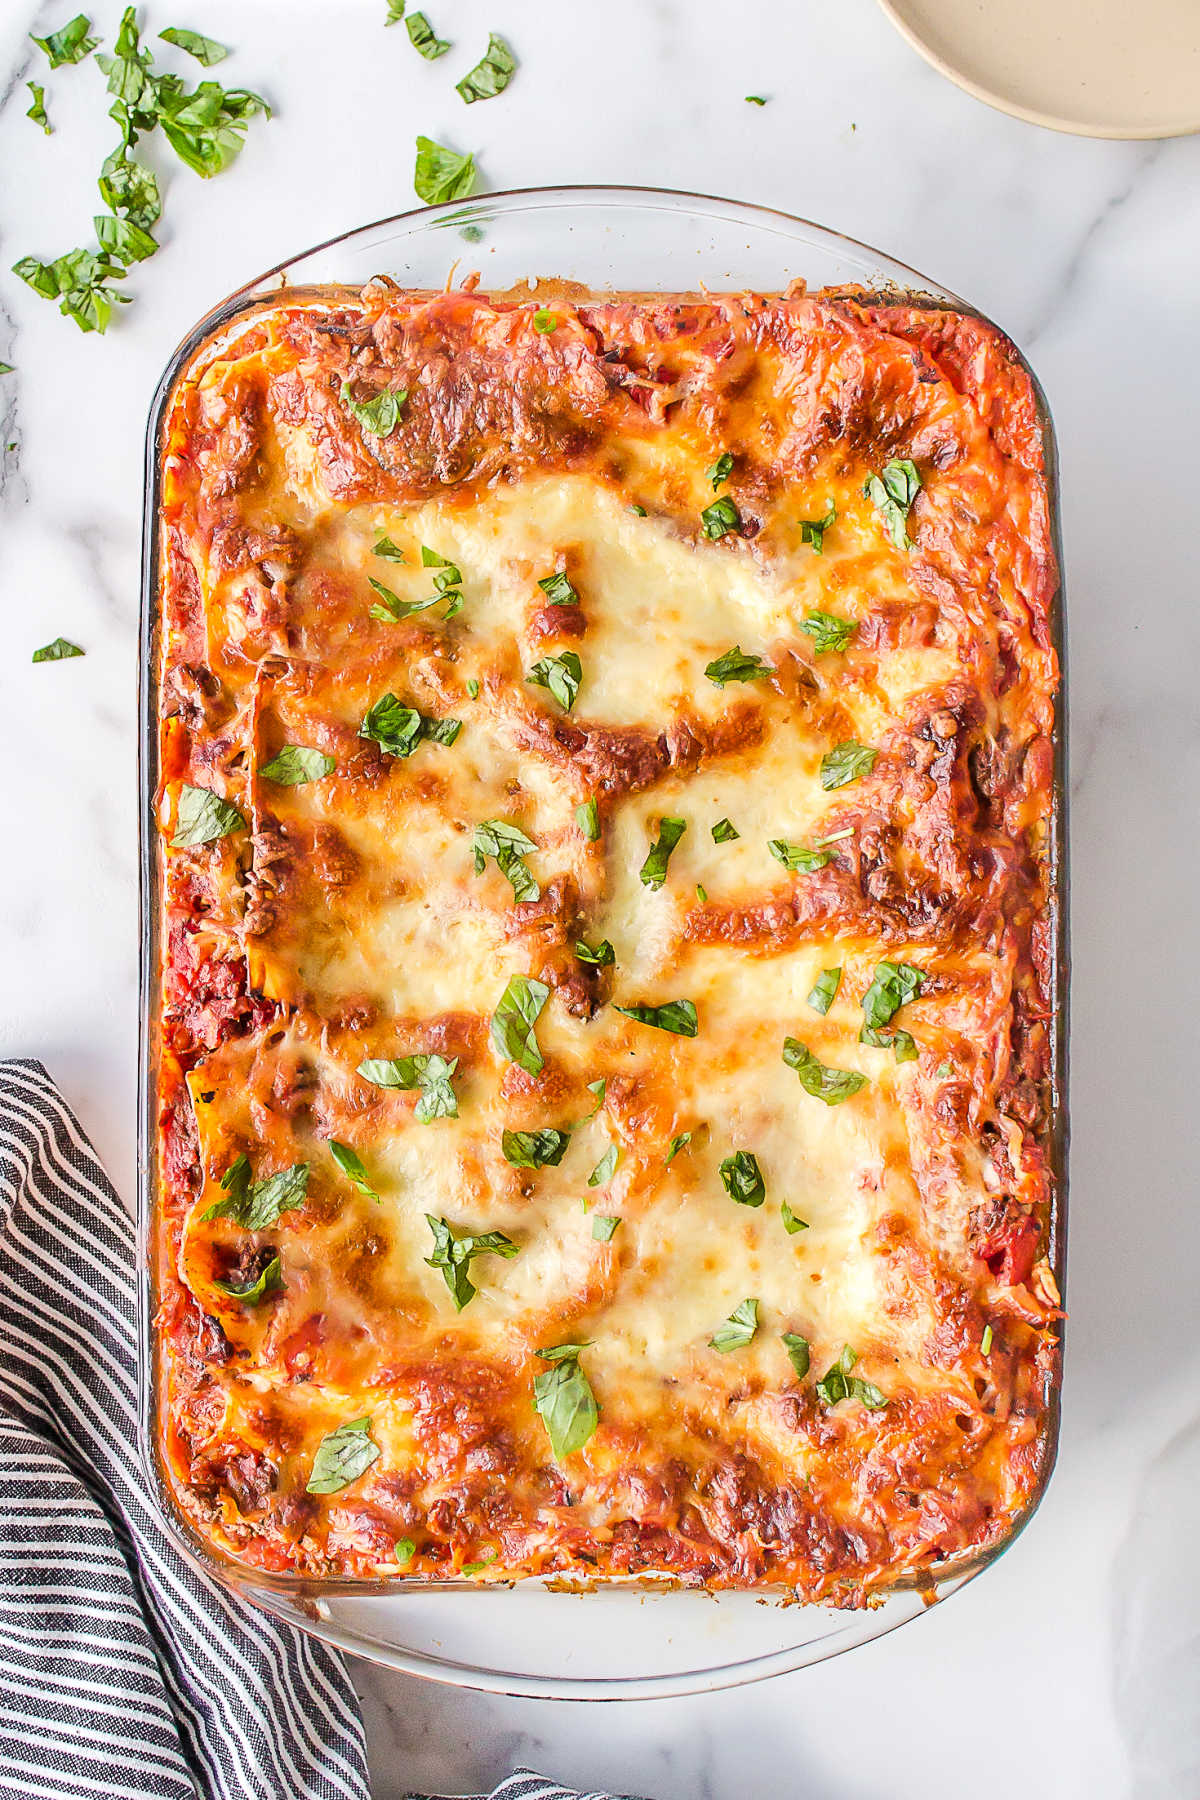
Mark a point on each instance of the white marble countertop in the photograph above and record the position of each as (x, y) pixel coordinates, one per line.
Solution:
(1073, 1667)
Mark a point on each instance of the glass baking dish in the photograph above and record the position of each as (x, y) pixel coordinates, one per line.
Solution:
(615, 1643)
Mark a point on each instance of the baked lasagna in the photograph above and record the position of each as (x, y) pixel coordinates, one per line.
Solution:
(604, 1065)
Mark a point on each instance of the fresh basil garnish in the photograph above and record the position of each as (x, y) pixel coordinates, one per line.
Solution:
(351, 1165)
(812, 531)
(442, 174)
(513, 1022)
(122, 239)
(130, 188)
(472, 688)
(544, 320)
(587, 817)
(654, 870)
(294, 765)
(893, 985)
(724, 832)
(736, 665)
(379, 415)
(598, 1089)
(535, 1149)
(792, 1222)
(702, 893)
(738, 1329)
(37, 112)
(447, 583)
(742, 1178)
(677, 1016)
(798, 858)
(558, 589)
(561, 674)
(719, 519)
(391, 552)
(892, 493)
(563, 1397)
(424, 38)
(453, 1255)
(206, 50)
(675, 1146)
(797, 1349)
(755, 99)
(58, 651)
(508, 846)
(71, 44)
(823, 1083)
(491, 74)
(604, 1225)
(426, 1072)
(404, 1549)
(827, 631)
(395, 12)
(269, 1281)
(639, 510)
(342, 1456)
(720, 472)
(80, 281)
(257, 1205)
(823, 991)
(202, 817)
(398, 729)
(845, 763)
(601, 956)
(605, 1168)
(390, 609)
(985, 1342)
(481, 1562)
(901, 1043)
(837, 1383)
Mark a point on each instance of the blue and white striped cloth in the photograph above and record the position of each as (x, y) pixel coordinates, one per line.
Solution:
(124, 1673)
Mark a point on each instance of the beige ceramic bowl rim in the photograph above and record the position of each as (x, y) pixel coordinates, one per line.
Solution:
(1031, 115)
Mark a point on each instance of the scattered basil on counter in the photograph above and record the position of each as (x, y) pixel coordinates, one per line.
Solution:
(512, 1031)
(379, 415)
(653, 871)
(270, 1281)
(756, 100)
(80, 281)
(7, 369)
(563, 1397)
(719, 519)
(424, 38)
(742, 1178)
(427, 1072)
(257, 1205)
(587, 817)
(508, 847)
(892, 493)
(816, 1078)
(602, 956)
(453, 1255)
(812, 531)
(827, 631)
(535, 1149)
(675, 1146)
(342, 1456)
(605, 1168)
(206, 50)
(122, 240)
(738, 1329)
(893, 985)
(294, 764)
(603, 1227)
(491, 74)
(792, 1222)
(202, 817)
(37, 112)
(720, 472)
(558, 589)
(545, 321)
(823, 991)
(736, 665)
(846, 763)
(677, 1017)
(352, 1167)
(560, 674)
(129, 188)
(395, 12)
(442, 174)
(797, 1349)
(798, 858)
(71, 44)
(837, 1383)
(62, 648)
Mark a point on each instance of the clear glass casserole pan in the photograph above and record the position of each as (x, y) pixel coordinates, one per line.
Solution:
(634, 1643)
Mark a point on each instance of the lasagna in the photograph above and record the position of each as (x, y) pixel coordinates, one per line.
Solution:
(605, 1010)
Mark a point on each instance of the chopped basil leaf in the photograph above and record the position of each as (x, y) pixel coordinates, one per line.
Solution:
(398, 729)
(837, 1383)
(893, 985)
(433, 559)
(535, 1149)
(37, 112)
(379, 415)
(605, 1168)
(7, 369)
(738, 1328)
(351, 1165)
(823, 991)
(122, 239)
(587, 817)
(544, 320)
(59, 651)
(563, 1397)
(474, 1568)
(442, 174)
(742, 1179)
(256, 1206)
(792, 1223)
(756, 100)
(639, 510)
(404, 1549)
(426, 1071)
(206, 129)
(491, 75)
(720, 472)
(812, 531)
(798, 858)
(294, 765)
(654, 870)
(736, 665)
(677, 1016)
(561, 674)
(203, 817)
(71, 44)
(723, 832)
(823, 1083)
(395, 9)
(342, 1456)
(128, 187)
(453, 1255)
(719, 519)
(603, 1227)
(845, 763)
(472, 688)
(603, 956)
(385, 547)
(827, 631)
(945, 1071)
(902, 1043)
(892, 493)
(270, 1281)
(513, 1035)
(702, 894)
(206, 50)
(675, 1146)
(598, 1088)
(985, 1343)
(508, 845)
(80, 282)
(424, 38)
(797, 1349)
(558, 589)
